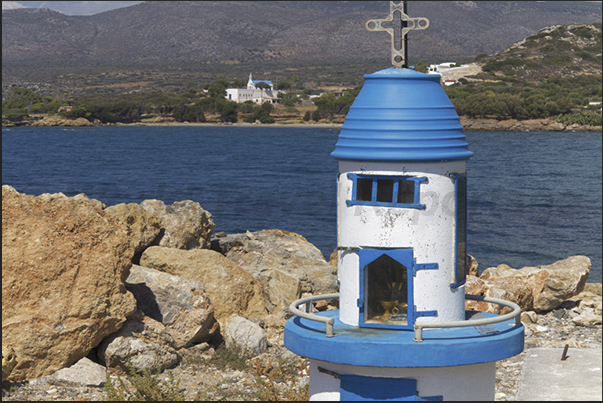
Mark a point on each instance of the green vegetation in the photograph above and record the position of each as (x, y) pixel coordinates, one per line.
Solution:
(564, 50)
(553, 74)
(22, 102)
(582, 118)
(261, 113)
(145, 387)
(328, 105)
(266, 376)
(557, 96)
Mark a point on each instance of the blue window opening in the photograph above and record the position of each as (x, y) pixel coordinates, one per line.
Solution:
(386, 191)
(386, 288)
(460, 208)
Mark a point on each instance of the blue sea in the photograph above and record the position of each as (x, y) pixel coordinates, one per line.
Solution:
(533, 198)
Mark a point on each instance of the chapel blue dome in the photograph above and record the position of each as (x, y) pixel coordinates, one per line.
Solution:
(401, 115)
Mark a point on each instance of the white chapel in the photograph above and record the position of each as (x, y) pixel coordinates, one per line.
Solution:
(252, 92)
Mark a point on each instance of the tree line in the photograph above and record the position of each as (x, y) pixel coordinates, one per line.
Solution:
(564, 98)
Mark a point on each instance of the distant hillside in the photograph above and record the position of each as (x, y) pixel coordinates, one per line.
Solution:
(554, 74)
(559, 50)
(203, 34)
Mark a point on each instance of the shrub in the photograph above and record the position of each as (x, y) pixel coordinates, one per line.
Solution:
(555, 60)
(14, 115)
(145, 387)
(267, 119)
(316, 115)
(592, 118)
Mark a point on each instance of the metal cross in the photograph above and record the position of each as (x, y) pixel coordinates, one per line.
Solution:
(399, 50)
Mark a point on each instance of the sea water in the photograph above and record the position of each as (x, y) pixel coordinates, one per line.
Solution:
(533, 197)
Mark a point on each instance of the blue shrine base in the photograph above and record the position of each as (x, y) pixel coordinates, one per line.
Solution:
(445, 347)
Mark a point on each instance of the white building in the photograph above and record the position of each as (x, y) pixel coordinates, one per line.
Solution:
(252, 92)
(439, 68)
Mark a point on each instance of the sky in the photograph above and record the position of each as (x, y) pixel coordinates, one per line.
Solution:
(70, 7)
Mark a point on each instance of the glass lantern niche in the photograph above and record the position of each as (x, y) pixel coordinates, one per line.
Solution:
(386, 288)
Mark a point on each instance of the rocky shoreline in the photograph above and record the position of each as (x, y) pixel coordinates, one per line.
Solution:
(92, 292)
(469, 124)
(197, 376)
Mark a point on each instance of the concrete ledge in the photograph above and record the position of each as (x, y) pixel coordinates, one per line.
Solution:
(545, 377)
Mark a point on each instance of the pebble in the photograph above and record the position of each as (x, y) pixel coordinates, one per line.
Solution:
(199, 380)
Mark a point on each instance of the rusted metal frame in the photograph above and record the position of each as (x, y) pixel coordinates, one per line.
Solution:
(515, 314)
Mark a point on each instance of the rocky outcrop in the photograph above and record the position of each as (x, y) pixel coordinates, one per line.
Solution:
(142, 342)
(532, 125)
(513, 290)
(85, 372)
(143, 225)
(231, 289)
(286, 262)
(246, 337)
(184, 224)
(179, 303)
(9, 360)
(541, 288)
(64, 265)
(587, 306)
(58, 120)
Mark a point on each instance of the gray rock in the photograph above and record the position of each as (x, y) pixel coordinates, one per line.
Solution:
(529, 317)
(246, 337)
(180, 304)
(587, 319)
(541, 288)
(280, 260)
(85, 372)
(231, 289)
(471, 266)
(185, 224)
(142, 341)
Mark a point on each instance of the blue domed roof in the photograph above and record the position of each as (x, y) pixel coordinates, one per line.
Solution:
(402, 115)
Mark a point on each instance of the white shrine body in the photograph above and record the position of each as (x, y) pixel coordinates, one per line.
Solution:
(401, 234)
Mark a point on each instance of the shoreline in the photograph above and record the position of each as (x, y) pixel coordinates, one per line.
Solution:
(469, 124)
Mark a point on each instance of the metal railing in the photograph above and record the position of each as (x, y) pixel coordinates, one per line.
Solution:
(307, 315)
(515, 314)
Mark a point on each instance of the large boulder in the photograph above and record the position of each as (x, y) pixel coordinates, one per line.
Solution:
(9, 360)
(64, 266)
(231, 289)
(184, 224)
(246, 337)
(144, 226)
(508, 289)
(142, 342)
(286, 262)
(179, 303)
(548, 285)
(85, 372)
